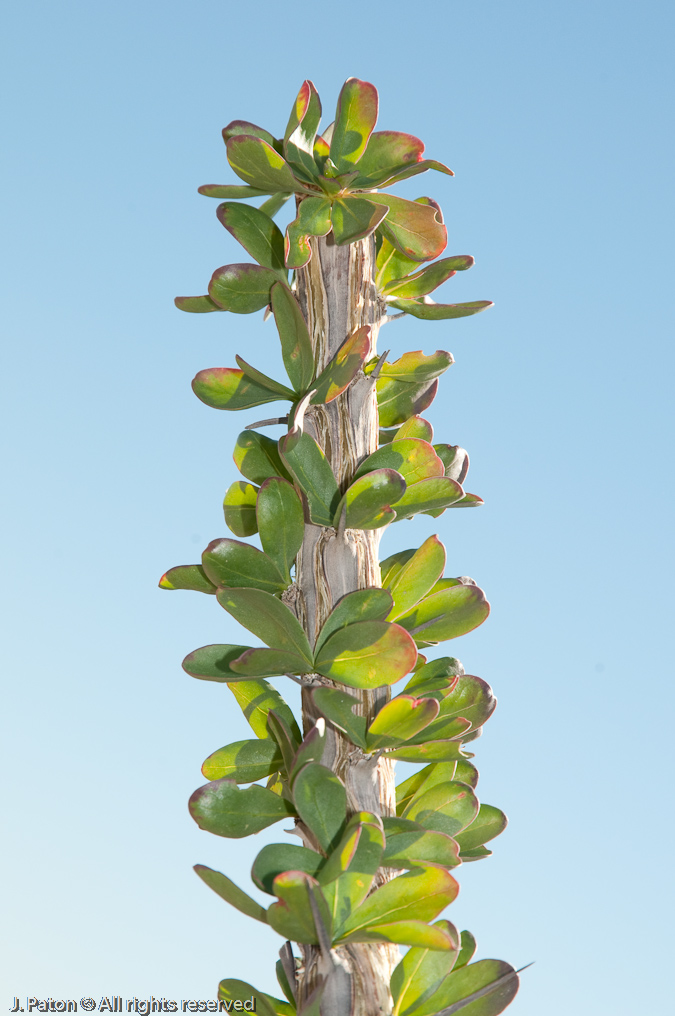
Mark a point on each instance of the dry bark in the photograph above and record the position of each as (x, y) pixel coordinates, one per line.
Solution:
(337, 295)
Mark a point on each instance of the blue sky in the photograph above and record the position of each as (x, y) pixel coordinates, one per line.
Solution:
(555, 119)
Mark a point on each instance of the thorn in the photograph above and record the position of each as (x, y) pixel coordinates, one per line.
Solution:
(268, 312)
(386, 318)
(301, 409)
(520, 969)
(375, 373)
(272, 422)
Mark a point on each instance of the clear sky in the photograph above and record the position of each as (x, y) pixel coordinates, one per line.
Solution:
(557, 119)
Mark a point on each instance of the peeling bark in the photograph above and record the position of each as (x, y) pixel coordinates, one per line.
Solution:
(337, 295)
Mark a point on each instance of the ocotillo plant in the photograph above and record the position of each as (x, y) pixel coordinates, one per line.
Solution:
(376, 861)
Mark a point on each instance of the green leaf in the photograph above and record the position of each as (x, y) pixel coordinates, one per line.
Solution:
(222, 808)
(447, 614)
(371, 604)
(400, 720)
(213, 663)
(281, 523)
(417, 230)
(397, 400)
(415, 460)
(230, 990)
(301, 130)
(347, 892)
(259, 165)
(470, 698)
(313, 474)
(187, 576)
(256, 232)
(296, 345)
(282, 391)
(445, 670)
(391, 264)
(274, 203)
(231, 563)
(337, 707)
(239, 508)
(386, 151)
(437, 492)
(416, 427)
(413, 785)
(467, 951)
(267, 618)
(276, 858)
(405, 172)
(254, 663)
(368, 500)
(418, 895)
(431, 751)
(355, 218)
(412, 287)
(239, 128)
(488, 824)
(368, 654)
(244, 761)
(292, 916)
(421, 972)
(313, 219)
(311, 749)
(355, 118)
(414, 933)
(480, 989)
(430, 311)
(343, 856)
(446, 808)
(229, 388)
(343, 368)
(391, 566)
(283, 737)
(228, 190)
(256, 699)
(417, 577)
(455, 460)
(196, 304)
(231, 893)
(257, 457)
(414, 367)
(242, 288)
(321, 802)
(409, 845)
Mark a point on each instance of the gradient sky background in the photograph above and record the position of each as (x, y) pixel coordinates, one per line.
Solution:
(557, 120)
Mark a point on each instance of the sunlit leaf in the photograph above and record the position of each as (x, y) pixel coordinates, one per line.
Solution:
(256, 699)
(409, 845)
(367, 502)
(398, 400)
(485, 988)
(343, 367)
(187, 576)
(417, 576)
(228, 191)
(421, 972)
(196, 304)
(354, 218)
(244, 128)
(414, 459)
(430, 311)
(418, 895)
(259, 165)
(467, 951)
(368, 654)
(428, 278)
(239, 508)
(355, 120)
(428, 495)
(400, 720)
(455, 460)
(230, 990)
(489, 822)
(371, 604)
(415, 427)
(244, 761)
(446, 808)
(447, 614)
(415, 229)
(415, 367)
